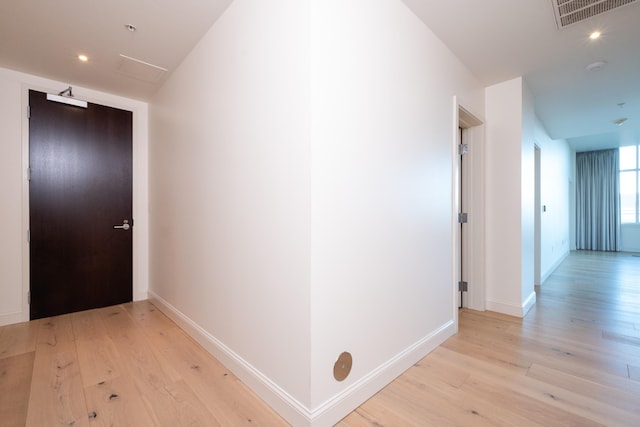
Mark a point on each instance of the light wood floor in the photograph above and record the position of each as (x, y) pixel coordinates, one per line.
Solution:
(574, 360)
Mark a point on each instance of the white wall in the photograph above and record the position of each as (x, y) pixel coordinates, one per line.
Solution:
(510, 154)
(301, 181)
(14, 128)
(572, 204)
(504, 204)
(556, 175)
(230, 197)
(630, 237)
(527, 200)
(382, 137)
(11, 178)
(512, 132)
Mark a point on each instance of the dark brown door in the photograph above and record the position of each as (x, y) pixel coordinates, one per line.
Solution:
(80, 188)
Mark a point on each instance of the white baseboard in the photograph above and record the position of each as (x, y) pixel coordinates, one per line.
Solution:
(529, 303)
(11, 318)
(294, 412)
(551, 269)
(141, 296)
(281, 402)
(340, 405)
(511, 309)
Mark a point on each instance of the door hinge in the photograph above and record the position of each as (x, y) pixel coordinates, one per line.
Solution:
(463, 286)
(28, 235)
(29, 298)
(28, 111)
(29, 174)
(463, 218)
(463, 149)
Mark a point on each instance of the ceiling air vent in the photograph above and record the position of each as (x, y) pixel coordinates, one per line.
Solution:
(571, 11)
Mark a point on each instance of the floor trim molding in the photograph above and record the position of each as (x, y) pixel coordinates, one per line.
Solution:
(11, 318)
(283, 403)
(294, 412)
(343, 403)
(553, 268)
(513, 310)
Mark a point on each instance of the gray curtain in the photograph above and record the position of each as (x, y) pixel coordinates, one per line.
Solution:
(597, 201)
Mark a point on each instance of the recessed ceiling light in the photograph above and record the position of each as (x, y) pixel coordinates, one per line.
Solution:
(619, 121)
(595, 66)
(595, 35)
(83, 58)
(130, 27)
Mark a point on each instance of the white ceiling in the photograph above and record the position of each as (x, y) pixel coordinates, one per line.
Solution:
(44, 37)
(502, 39)
(496, 39)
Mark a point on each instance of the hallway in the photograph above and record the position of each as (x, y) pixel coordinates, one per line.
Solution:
(573, 360)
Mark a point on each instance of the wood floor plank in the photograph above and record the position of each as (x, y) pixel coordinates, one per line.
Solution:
(355, 419)
(215, 385)
(469, 407)
(438, 376)
(429, 371)
(15, 382)
(570, 356)
(117, 402)
(55, 332)
(532, 410)
(178, 405)
(56, 396)
(389, 407)
(18, 338)
(490, 352)
(569, 401)
(87, 325)
(147, 316)
(149, 369)
(116, 320)
(616, 397)
(99, 360)
(375, 411)
(631, 337)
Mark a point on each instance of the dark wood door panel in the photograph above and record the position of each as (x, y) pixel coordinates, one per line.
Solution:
(80, 187)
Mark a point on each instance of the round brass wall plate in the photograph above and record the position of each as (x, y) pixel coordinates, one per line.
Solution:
(342, 367)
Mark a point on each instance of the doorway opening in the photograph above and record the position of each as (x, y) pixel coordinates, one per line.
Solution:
(470, 210)
(537, 221)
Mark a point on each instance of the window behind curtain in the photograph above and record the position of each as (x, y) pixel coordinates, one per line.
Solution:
(597, 200)
(629, 200)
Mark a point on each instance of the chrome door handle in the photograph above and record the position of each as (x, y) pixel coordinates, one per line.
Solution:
(125, 225)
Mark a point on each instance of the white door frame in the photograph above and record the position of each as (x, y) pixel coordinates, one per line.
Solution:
(474, 180)
(537, 261)
(140, 181)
